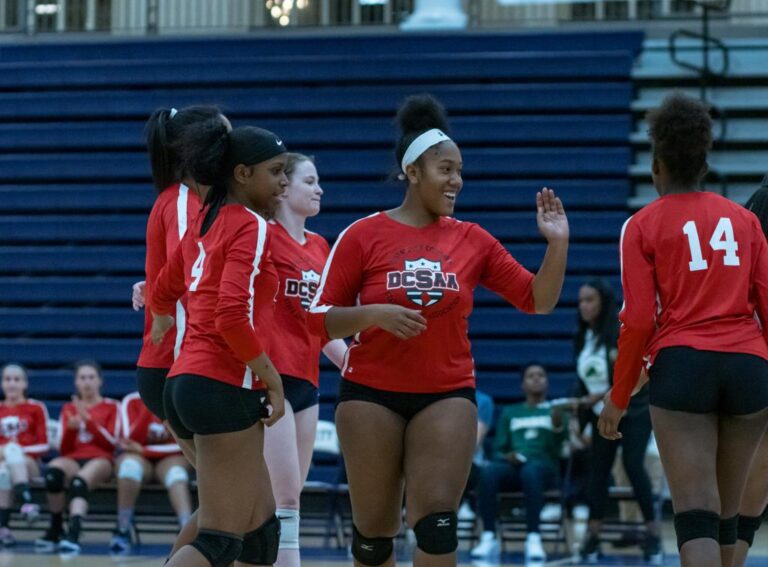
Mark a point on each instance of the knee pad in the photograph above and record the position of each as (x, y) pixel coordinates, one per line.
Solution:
(436, 533)
(5, 477)
(130, 469)
(219, 548)
(289, 528)
(729, 528)
(370, 550)
(260, 546)
(175, 474)
(748, 525)
(695, 524)
(13, 453)
(78, 488)
(54, 480)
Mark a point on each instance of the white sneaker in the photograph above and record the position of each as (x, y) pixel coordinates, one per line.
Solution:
(465, 513)
(550, 513)
(534, 552)
(488, 546)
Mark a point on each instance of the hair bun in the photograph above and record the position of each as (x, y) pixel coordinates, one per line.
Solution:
(420, 113)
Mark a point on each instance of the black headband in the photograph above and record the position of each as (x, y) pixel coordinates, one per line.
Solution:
(249, 145)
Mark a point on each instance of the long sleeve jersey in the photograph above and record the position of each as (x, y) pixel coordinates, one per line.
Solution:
(695, 273)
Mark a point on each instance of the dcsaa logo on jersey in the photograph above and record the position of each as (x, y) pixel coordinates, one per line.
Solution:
(305, 288)
(11, 426)
(423, 280)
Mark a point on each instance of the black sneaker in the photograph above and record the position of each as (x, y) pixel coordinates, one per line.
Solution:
(50, 540)
(590, 551)
(652, 551)
(121, 541)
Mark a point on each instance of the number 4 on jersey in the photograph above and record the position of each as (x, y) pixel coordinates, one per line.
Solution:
(197, 268)
(722, 239)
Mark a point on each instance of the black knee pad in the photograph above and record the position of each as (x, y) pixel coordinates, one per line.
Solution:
(436, 533)
(695, 524)
(54, 480)
(78, 488)
(219, 548)
(729, 528)
(260, 546)
(748, 525)
(371, 550)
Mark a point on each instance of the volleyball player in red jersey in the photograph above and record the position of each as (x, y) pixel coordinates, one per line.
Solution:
(222, 382)
(299, 256)
(752, 510)
(90, 428)
(23, 440)
(695, 276)
(149, 453)
(401, 282)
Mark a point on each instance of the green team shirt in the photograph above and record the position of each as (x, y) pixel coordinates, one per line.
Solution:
(528, 430)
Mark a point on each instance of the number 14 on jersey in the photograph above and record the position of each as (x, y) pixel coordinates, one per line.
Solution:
(722, 239)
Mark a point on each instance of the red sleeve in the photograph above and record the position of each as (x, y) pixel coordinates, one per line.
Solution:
(156, 254)
(41, 446)
(135, 421)
(760, 275)
(68, 436)
(234, 317)
(169, 285)
(341, 281)
(638, 316)
(504, 275)
(105, 435)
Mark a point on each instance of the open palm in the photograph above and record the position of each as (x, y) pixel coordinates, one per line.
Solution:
(550, 216)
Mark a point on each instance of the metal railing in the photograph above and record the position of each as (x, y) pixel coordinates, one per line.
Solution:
(193, 16)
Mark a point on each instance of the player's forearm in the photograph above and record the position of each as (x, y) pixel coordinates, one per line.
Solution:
(341, 322)
(548, 282)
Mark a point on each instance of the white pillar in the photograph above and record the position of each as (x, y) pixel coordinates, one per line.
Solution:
(436, 14)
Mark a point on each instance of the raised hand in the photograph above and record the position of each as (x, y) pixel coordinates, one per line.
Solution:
(550, 216)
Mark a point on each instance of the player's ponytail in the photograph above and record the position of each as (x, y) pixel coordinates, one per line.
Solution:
(418, 114)
(164, 132)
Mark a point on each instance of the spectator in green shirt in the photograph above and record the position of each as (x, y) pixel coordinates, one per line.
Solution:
(526, 456)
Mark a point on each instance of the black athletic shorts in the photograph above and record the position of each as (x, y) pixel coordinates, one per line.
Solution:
(204, 406)
(705, 381)
(151, 383)
(301, 394)
(405, 404)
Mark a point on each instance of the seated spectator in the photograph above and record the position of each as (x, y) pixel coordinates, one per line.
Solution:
(23, 440)
(90, 427)
(149, 454)
(526, 456)
(485, 409)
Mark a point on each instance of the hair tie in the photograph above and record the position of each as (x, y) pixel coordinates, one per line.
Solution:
(173, 113)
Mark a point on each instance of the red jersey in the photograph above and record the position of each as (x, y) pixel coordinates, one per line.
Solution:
(96, 437)
(434, 269)
(228, 278)
(695, 273)
(26, 424)
(293, 349)
(140, 425)
(174, 208)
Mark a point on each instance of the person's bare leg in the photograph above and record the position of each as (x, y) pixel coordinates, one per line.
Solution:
(57, 501)
(439, 444)
(371, 438)
(178, 492)
(230, 502)
(739, 439)
(755, 497)
(688, 447)
(95, 473)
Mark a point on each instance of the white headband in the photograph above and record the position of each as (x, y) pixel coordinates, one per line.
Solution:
(422, 144)
(173, 113)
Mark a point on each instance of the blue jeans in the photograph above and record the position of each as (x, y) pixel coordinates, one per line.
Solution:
(532, 478)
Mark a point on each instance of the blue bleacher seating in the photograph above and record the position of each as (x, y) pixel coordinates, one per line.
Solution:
(528, 110)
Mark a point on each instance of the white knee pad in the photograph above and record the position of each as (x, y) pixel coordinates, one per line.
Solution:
(5, 477)
(131, 469)
(13, 453)
(289, 528)
(175, 474)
